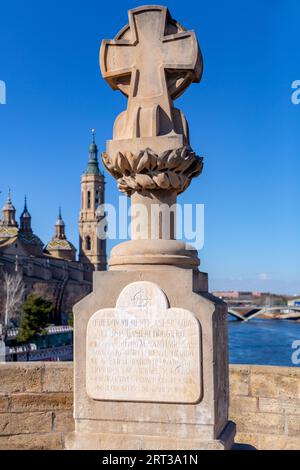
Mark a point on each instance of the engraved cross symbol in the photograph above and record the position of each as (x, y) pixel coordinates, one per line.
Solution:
(141, 300)
(137, 60)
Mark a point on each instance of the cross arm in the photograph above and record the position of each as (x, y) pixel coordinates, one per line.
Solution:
(116, 59)
(182, 52)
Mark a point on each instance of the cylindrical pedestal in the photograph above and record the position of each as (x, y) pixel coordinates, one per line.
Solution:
(153, 233)
(153, 215)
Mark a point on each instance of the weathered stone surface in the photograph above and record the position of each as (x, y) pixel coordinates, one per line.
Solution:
(17, 378)
(25, 423)
(239, 379)
(63, 421)
(143, 351)
(179, 430)
(241, 404)
(247, 438)
(274, 386)
(270, 423)
(41, 401)
(4, 403)
(282, 405)
(128, 442)
(57, 377)
(293, 425)
(274, 442)
(32, 442)
(274, 370)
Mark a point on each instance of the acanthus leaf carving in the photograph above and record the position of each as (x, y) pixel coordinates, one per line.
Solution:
(146, 170)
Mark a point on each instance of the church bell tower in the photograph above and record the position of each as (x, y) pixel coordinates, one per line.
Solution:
(92, 249)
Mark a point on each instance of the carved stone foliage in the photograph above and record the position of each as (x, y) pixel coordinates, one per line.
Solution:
(146, 170)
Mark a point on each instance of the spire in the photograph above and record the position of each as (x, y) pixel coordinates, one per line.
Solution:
(59, 246)
(8, 204)
(25, 213)
(93, 166)
(25, 218)
(8, 200)
(59, 232)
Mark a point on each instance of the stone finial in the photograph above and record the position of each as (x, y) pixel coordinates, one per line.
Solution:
(152, 60)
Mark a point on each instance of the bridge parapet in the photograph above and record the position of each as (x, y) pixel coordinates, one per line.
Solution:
(36, 403)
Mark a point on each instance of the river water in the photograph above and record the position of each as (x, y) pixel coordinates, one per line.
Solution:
(265, 342)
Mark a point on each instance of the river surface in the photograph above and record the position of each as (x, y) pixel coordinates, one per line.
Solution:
(265, 342)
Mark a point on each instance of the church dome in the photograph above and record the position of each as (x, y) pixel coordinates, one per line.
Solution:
(8, 213)
(59, 246)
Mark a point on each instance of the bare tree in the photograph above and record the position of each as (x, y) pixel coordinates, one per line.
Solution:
(14, 290)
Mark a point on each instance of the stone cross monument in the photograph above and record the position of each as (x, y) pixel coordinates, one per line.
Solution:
(151, 365)
(152, 60)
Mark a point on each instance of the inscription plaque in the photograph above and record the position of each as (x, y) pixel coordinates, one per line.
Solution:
(142, 350)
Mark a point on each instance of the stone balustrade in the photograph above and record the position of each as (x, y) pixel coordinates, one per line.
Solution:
(36, 405)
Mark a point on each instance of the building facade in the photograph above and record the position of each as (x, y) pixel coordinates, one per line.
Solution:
(52, 270)
(92, 248)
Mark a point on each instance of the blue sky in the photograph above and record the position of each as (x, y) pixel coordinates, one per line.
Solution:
(241, 120)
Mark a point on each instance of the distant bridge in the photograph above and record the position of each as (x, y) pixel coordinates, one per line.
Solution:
(256, 311)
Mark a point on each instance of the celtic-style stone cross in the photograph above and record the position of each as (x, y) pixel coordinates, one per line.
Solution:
(152, 60)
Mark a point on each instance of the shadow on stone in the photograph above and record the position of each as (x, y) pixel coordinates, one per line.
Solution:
(238, 446)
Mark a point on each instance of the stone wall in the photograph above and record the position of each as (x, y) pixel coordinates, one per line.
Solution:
(36, 405)
(265, 404)
(36, 401)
